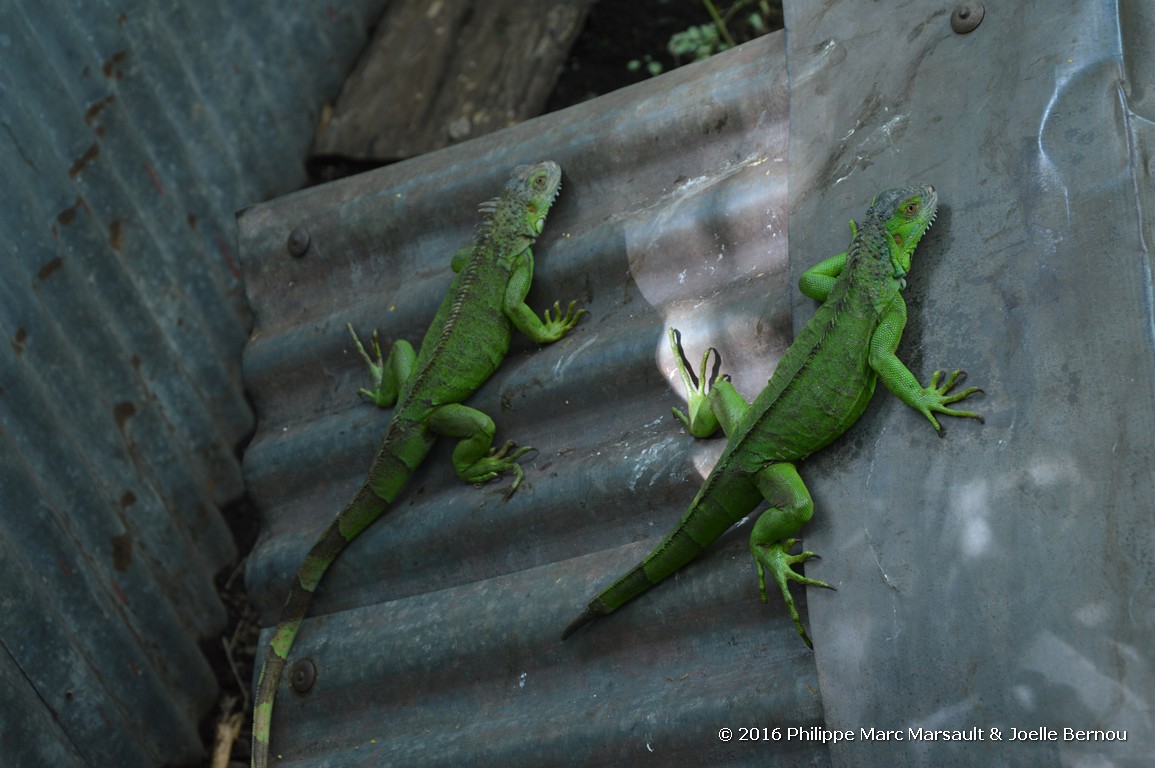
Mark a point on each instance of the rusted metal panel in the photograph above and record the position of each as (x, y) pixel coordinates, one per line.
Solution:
(131, 135)
(436, 635)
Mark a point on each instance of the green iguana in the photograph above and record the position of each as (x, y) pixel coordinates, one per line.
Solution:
(819, 389)
(464, 345)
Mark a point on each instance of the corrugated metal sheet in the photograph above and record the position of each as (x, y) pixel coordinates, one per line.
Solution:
(1000, 578)
(130, 135)
(436, 636)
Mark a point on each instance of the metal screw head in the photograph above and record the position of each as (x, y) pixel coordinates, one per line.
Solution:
(298, 242)
(302, 675)
(966, 17)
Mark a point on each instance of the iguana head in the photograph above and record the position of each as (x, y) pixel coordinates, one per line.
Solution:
(906, 214)
(528, 195)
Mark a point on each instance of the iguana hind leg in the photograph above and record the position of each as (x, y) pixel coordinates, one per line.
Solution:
(711, 400)
(770, 542)
(388, 374)
(698, 419)
(475, 458)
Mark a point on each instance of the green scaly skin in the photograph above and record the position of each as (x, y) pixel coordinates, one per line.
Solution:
(464, 345)
(819, 389)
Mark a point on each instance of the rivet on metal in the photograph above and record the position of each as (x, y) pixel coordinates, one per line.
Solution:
(302, 675)
(966, 17)
(298, 242)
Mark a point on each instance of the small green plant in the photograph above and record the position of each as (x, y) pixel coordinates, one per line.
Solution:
(704, 40)
(697, 43)
(648, 62)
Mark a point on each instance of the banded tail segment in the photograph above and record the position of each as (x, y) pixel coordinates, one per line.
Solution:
(366, 507)
(702, 524)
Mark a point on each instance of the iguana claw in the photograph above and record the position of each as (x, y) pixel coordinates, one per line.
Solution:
(561, 323)
(503, 459)
(935, 398)
(777, 559)
(376, 368)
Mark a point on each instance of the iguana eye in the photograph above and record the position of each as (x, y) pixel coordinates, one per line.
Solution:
(912, 208)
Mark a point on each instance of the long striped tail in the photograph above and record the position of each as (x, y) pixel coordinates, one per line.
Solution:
(364, 509)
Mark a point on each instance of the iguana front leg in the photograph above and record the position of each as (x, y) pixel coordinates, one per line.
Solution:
(899, 380)
(525, 319)
(817, 282)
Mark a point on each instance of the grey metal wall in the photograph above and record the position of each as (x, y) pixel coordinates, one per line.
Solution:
(129, 135)
(999, 578)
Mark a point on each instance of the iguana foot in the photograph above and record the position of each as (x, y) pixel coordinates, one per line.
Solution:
(777, 559)
(503, 459)
(935, 398)
(387, 374)
(700, 420)
(559, 325)
(376, 369)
